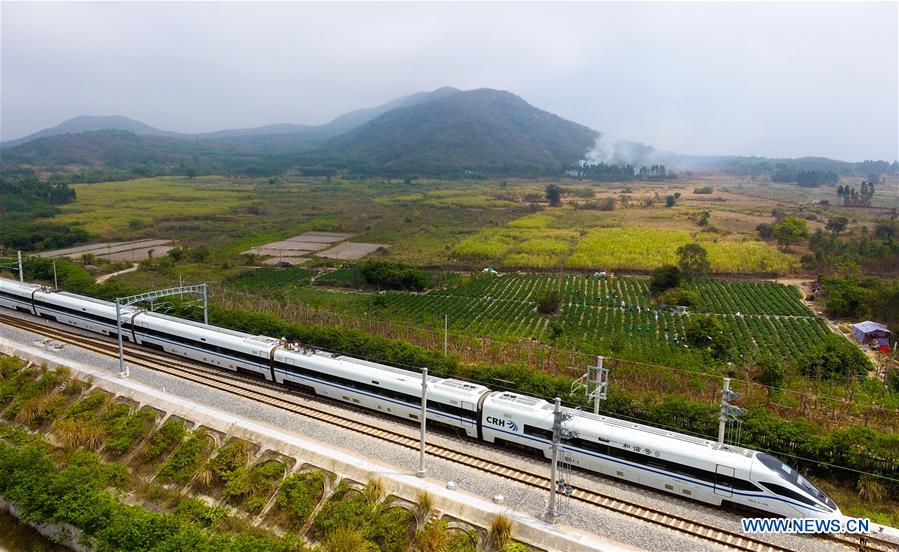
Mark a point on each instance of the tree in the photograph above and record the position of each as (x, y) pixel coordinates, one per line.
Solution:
(670, 201)
(393, 275)
(680, 296)
(791, 230)
(837, 225)
(664, 278)
(771, 373)
(765, 231)
(693, 261)
(708, 332)
(554, 195)
(191, 173)
(703, 219)
(549, 302)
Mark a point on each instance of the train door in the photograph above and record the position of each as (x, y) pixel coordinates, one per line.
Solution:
(724, 480)
(468, 407)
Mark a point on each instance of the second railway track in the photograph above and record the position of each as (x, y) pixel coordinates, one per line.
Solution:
(258, 391)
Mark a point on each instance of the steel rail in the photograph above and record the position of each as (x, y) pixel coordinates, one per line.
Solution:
(250, 388)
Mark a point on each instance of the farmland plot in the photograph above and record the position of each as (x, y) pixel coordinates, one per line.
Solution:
(615, 314)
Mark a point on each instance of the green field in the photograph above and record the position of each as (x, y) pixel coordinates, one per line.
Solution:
(114, 208)
(610, 316)
(615, 315)
(449, 223)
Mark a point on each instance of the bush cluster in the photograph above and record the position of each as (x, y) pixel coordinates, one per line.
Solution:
(393, 275)
(75, 494)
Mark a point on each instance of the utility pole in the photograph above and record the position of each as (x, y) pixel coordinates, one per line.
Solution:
(123, 370)
(421, 471)
(21, 273)
(205, 304)
(595, 383)
(445, 327)
(722, 416)
(553, 511)
(151, 297)
(600, 393)
(727, 410)
(55, 281)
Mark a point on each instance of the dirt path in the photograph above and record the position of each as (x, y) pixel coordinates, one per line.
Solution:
(101, 279)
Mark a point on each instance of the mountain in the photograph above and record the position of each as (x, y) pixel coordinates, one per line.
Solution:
(90, 123)
(289, 137)
(111, 148)
(445, 131)
(482, 129)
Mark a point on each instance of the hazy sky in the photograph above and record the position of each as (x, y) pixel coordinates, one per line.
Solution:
(751, 79)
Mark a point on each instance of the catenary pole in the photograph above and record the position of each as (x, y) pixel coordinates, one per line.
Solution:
(123, 370)
(552, 511)
(722, 417)
(424, 421)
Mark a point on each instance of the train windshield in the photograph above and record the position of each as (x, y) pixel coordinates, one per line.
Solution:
(793, 476)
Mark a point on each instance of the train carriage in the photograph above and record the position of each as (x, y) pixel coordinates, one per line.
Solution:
(667, 461)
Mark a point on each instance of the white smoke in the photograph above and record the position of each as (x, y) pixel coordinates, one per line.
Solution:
(611, 150)
(603, 151)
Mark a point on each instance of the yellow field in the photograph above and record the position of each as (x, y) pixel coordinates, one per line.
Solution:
(108, 208)
(644, 248)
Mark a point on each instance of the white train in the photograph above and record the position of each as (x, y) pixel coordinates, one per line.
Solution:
(670, 462)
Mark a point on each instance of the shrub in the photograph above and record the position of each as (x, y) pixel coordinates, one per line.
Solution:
(499, 535)
(765, 231)
(708, 332)
(183, 462)
(771, 373)
(835, 358)
(680, 296)
(298, 496)
(554, 194)
(165, 439)
(550, 302)
(394, 275)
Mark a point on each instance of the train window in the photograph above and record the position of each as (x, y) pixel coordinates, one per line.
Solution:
(783, 491)
(662, 464)
(538, 432)
(791, 475)
(590, 445)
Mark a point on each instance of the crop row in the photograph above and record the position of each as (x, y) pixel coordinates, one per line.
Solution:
(716, 297)
(269, 279)
(751, 298)
(658, 334)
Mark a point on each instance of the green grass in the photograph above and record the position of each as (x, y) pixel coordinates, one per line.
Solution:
(108, 208)
(538, 220)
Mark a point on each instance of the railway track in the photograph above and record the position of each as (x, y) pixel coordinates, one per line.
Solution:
(257, 390)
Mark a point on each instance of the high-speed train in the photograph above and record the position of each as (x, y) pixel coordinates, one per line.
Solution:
(670, 462)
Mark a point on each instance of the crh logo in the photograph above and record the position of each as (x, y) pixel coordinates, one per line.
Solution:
(499, 422)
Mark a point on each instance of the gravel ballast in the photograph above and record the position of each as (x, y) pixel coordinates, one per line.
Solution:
(613, 526)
